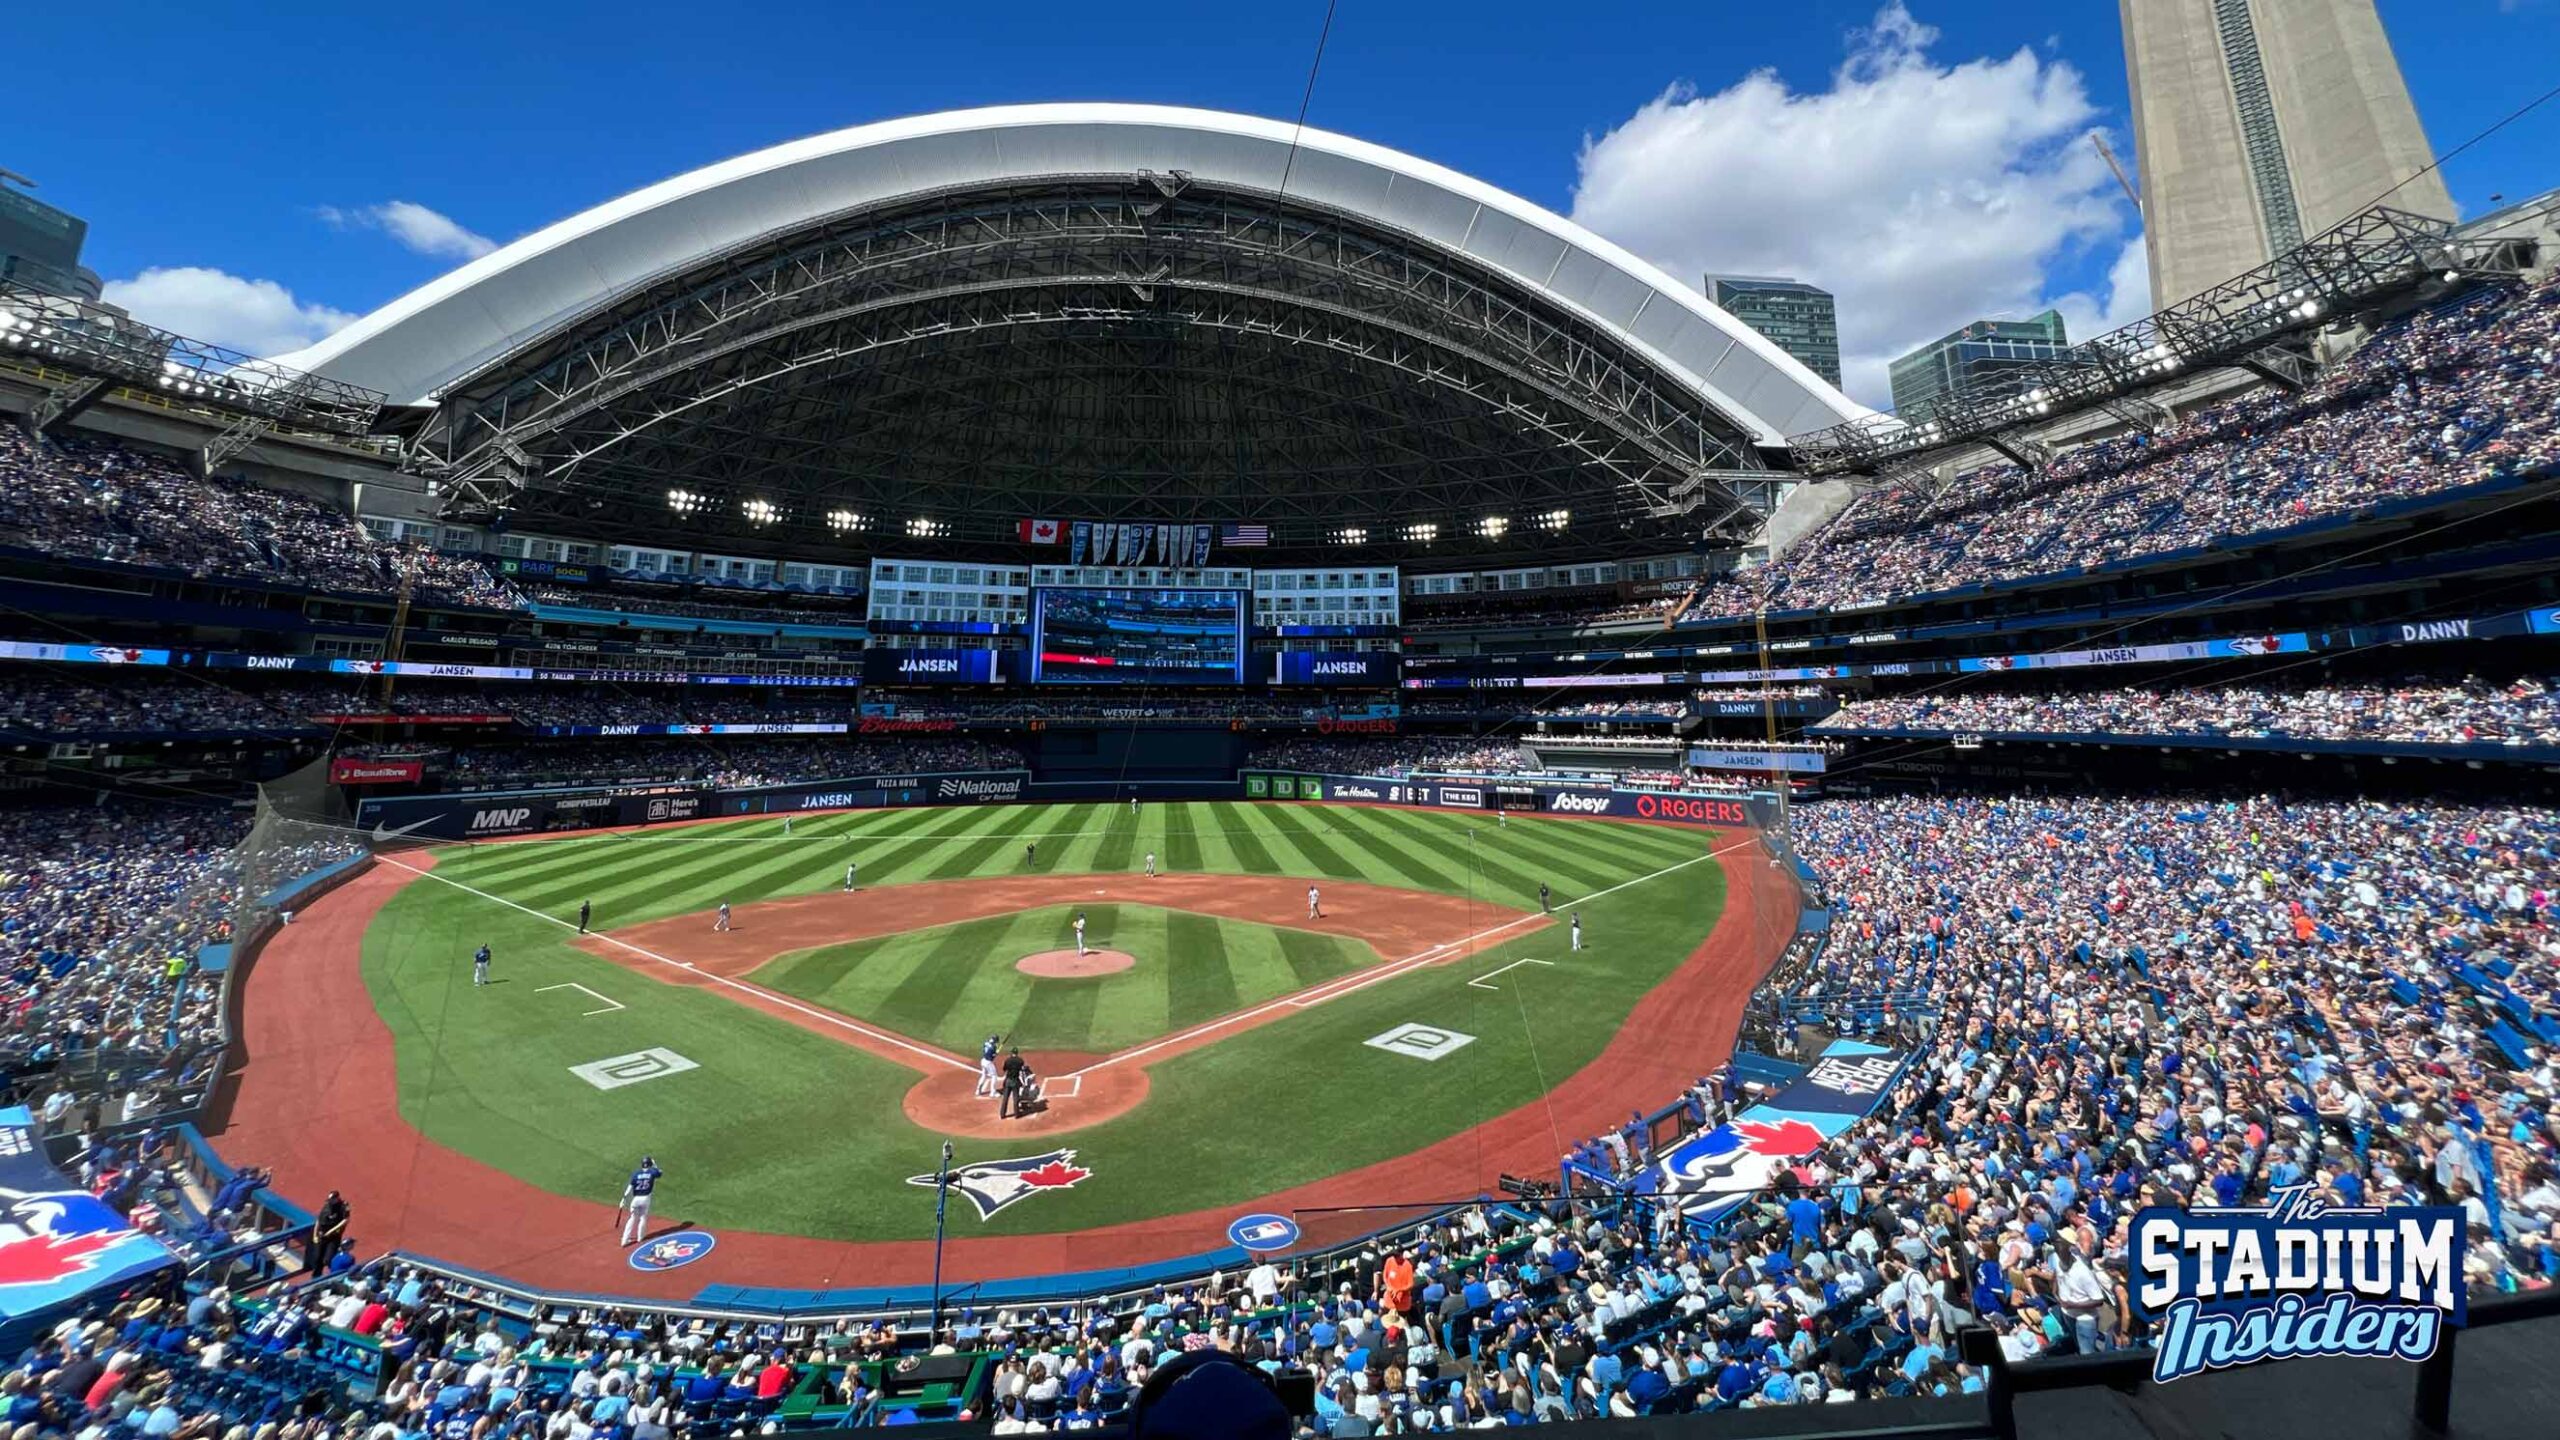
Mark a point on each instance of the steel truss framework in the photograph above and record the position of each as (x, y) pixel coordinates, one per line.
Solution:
(2256, 320)
(108, 349)
(1108, 347)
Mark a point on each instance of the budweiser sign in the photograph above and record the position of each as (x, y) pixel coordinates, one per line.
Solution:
(891, 725)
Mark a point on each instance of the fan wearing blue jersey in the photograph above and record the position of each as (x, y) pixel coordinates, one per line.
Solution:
(635, 1201)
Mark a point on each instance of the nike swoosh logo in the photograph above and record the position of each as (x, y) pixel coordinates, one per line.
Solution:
(380, 834)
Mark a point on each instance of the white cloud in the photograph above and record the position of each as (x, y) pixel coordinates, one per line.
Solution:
(428, 232)
(258, 316)
(1922, 194)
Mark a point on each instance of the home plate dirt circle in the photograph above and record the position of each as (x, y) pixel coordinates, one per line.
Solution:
(1068, 965)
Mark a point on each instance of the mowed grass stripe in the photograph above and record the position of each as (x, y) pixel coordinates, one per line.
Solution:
(1255, 962)
(1398, 854)
(1647, 847)
(1181, 838)
(1313, 958)
(1116, 848)
(982, 853)
(1242, 841)
(1198, 984)
(1321, 853)
(1496, 878)
(917, 1004)
(911, 857)
(1068, 842)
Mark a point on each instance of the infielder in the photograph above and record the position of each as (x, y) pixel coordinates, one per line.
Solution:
(1151, 864)
(635, 1201)
(1079, 932)
(1545, 898)
(1315, 904)
(723, 922)
(1577, 930)
(480, 966)
(586, 908)
(987, 1067)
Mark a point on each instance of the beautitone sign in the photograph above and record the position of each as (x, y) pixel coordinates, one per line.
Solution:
(2295, 1277)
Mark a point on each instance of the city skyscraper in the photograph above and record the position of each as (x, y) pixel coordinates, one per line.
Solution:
(40, 246)
(1978, 360)
(1799, 318)
(2260, 123)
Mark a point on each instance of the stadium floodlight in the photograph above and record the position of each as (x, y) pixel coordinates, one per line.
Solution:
(685, 502)
(1350, 535)
(847, 521)
(1421, 532)
(926, 528)
(1555, 519)
(761, 512)
(1492, 527)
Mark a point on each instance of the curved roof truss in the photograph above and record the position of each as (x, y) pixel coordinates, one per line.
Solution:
(709, 364)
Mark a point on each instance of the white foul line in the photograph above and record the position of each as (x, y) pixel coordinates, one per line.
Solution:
(610, 1004)
(1363, 979)
(1479, 984)
(785, 1001)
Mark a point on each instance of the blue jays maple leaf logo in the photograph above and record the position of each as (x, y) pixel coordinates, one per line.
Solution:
(991, 1185)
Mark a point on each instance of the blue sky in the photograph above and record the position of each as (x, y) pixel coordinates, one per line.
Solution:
(286, 170)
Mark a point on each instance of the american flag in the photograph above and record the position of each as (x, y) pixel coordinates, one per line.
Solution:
(1239, 536)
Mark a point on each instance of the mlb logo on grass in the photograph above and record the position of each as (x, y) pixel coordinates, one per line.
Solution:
(2229, 1287)
(1422, 1042)
(615, 1071)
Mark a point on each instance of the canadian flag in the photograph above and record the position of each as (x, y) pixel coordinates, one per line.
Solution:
(1038, 532)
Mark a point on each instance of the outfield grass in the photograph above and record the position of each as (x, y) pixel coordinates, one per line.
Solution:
(787, 1130)
(952, 985)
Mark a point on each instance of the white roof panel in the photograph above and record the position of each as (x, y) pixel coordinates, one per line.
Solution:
(479, 312)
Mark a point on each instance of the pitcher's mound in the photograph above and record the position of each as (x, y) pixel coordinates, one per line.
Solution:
(1068, 965)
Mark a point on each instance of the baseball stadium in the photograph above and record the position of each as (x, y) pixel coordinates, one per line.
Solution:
(1123, 767)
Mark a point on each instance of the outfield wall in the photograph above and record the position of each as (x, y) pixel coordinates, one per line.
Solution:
(1526, 794)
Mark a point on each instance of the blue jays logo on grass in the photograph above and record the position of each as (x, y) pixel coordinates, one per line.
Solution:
(2296, 1277)
(991, 1185)
(669, 1251)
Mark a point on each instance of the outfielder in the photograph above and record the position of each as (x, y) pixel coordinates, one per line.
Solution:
(635, 1201)
(586, 909)
(1577, 930)
(723, 922)
(480, 966)
(851, 869)
(786, 827)
(1151, 864)
(1079, 932)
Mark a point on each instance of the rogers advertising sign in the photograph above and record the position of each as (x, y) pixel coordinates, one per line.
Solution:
(376, 772)
(1692, 809)
(1330, 725)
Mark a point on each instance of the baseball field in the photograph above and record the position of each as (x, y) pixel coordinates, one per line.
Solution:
(792, 1073)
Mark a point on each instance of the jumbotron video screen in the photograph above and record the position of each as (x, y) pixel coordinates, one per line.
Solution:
(1086, 636)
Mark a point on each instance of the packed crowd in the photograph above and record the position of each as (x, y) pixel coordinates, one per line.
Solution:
(2114, 1003)
(726, 761)
(2447, 397)
(55, 703)
(644, 608)
(1409, 755)
(2472, 712)
(102, 909)
(92, 500)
